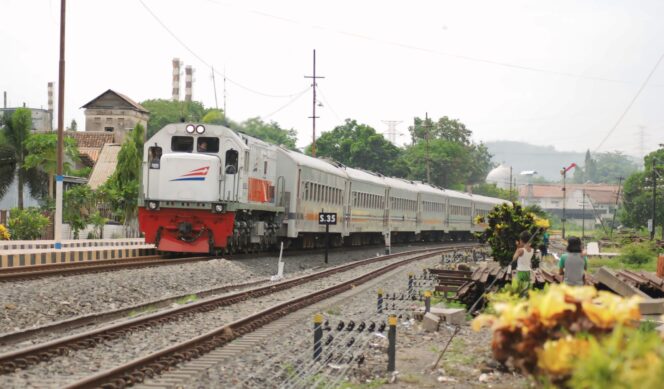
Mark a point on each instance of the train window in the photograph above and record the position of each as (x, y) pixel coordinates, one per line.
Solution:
(207, 145)
(154, 157)
(183, 144)
(231, 161)
(305, 194)
(264, 167)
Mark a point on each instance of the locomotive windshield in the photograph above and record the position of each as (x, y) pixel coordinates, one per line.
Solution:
(207, 145)
(183, 144)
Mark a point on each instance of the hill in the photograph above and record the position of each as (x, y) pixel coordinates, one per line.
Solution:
(546, 160)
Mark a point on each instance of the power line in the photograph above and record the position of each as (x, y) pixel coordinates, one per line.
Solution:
(192, 52)
(291, 101)
(429, 50)
(629, 106)
(327, 103)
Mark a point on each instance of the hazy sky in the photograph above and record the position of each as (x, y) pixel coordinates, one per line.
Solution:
(555, 73)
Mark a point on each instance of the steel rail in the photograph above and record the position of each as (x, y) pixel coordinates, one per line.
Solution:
(22, 358)
(138, 369)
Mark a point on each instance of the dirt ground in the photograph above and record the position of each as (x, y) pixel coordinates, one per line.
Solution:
(467, 363)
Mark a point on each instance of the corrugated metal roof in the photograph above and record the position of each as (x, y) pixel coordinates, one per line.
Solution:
(105, 166)
(129, 101)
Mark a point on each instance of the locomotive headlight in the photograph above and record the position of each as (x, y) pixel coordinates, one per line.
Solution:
(217, 208)
(200, 129)
(190, 128)
(153, 205)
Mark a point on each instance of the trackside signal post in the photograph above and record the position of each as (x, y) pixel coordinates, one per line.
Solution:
(327, 219)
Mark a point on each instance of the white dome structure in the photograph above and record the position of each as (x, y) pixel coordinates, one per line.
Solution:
(499, 176)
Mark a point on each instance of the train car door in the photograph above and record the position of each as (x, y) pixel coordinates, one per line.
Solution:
(233, 162)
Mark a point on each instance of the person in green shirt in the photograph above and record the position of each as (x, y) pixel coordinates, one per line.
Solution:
(573, 264)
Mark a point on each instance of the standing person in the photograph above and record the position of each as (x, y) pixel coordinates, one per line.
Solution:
(522, 256)
(573, 263)
(544, 248)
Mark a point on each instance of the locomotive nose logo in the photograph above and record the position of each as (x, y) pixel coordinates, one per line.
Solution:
(194, 175)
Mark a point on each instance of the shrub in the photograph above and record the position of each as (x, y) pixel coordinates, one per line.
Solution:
(637, 253)
(505, 223)
(27, 223)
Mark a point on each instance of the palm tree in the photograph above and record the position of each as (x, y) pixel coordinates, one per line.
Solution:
(16, 131)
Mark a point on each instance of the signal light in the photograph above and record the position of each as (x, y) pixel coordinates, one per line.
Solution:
(200, 129)
(190, 128)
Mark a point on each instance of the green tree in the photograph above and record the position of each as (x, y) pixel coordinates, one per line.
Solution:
(360, 146)
(214, 116)
(121, 189)
(505, 223)
(590, 168)
(613, 165)
(454, 159)
(41, 152)
(26, 224)
(491, 190)
(16, 131)
(448, 160)
(637, 193)
(445, 128)
(78, 202)
(269, 132)
(163, 112)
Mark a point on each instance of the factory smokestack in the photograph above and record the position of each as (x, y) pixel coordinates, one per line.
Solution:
(176, 79)
(188, 80)
(49, 124)
(5, 95)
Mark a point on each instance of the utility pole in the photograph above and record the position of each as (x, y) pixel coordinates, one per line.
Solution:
(615, 211)
(61, 120)
(583, 218)
(427, 127)
(654, 199)
(313, 117)
(564, 199)
(214, 84)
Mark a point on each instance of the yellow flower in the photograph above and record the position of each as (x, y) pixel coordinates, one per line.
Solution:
(4, 233)
(550, 305)
(483, 320)
(579, 293)
(557, 357)
(607, 309)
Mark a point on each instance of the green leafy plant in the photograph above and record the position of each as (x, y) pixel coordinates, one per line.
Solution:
(627, 358)
(637, 253)
(505, 223)
(27, 223)
(76, 210)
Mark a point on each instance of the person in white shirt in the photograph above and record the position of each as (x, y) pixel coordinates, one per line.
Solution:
(523, 256)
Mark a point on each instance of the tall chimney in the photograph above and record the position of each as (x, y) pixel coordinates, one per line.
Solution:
(188, 72)
(5, 95)
(176, 79)
(50, 106)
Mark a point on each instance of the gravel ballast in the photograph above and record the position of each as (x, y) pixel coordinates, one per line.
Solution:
(66, 369)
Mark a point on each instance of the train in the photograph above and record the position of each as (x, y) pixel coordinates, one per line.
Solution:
(205, 188)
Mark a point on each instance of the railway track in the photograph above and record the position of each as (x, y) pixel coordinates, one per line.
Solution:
(75, 268)
(136, 370)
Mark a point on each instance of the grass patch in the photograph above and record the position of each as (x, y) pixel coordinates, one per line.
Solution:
(142, 311)
(190, 298)
(334, 311)
(594, 263)
(648, 326)
(410, 378)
